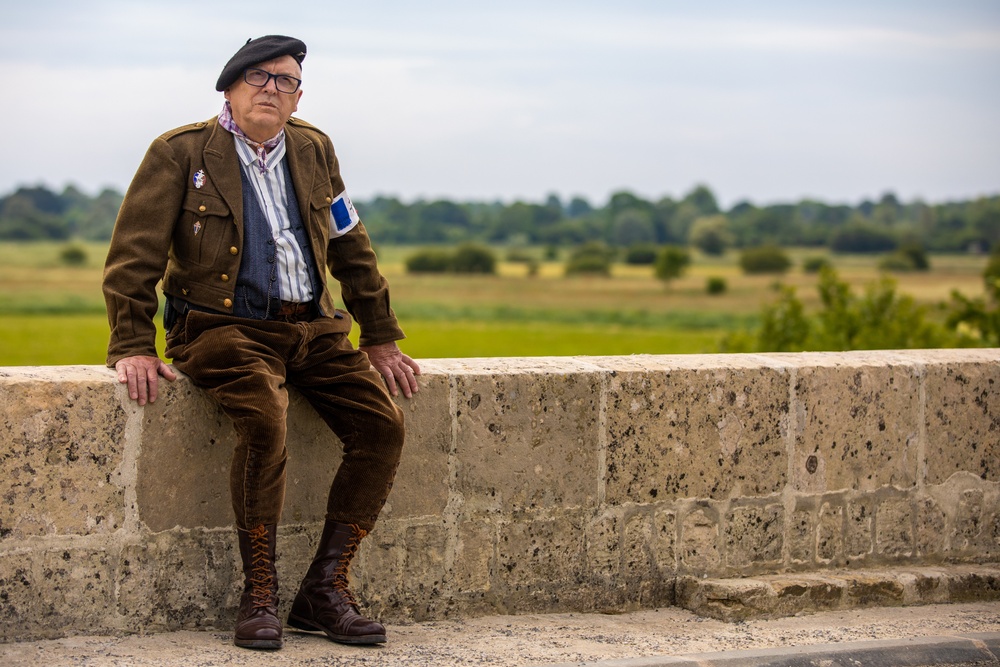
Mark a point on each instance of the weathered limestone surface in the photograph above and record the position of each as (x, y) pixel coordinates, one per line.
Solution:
(527, 485)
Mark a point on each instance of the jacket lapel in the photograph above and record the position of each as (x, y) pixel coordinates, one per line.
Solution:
(223, 167)
(301, 156)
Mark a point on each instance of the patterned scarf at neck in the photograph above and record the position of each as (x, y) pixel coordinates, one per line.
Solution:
(226, 121)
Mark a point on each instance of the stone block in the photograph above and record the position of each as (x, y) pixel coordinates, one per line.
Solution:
(699, 541)
(474, 556)
(422, 481)
(930, 528)
(604, 546)
(541, 553)
(857, 427)
(664, 542)
(62, 451)
(873, 590)
(637, 560)
(696, 431)
(802, 536)
(56, 592)
(528, 441)
(830, 533)
(754, 537)
(182, 579)
(894, 537)
(859, 528)
(963, 419)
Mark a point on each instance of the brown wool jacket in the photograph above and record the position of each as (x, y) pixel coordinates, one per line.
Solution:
(155, 236)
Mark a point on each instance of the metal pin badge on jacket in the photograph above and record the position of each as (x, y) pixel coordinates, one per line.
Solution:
(199, 179)
(197, 227)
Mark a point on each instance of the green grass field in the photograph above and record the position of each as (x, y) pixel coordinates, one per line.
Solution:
(51, 314)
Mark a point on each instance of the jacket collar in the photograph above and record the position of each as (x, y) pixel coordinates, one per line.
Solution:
(223, 166)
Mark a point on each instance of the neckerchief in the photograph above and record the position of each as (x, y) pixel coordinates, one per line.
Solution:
(227, 122)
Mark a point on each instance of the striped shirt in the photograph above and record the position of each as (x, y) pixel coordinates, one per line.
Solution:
(294, 282)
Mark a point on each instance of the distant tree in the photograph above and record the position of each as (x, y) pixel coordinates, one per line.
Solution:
(702, 199)
(671, 262)
(633, 226)
(711, 234)
(862, 237)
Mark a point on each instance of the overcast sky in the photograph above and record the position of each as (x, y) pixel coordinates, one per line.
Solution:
(770, 101)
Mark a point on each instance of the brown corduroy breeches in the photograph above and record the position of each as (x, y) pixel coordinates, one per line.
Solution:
(246, 364)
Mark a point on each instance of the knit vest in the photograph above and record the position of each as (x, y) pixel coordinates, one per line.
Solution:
(257, 294)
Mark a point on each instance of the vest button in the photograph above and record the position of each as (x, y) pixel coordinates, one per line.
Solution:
(234, 250)
(225, 278)
(228, 303)
(202, 208)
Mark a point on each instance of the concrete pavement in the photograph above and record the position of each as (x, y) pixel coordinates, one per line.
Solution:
(890, 637)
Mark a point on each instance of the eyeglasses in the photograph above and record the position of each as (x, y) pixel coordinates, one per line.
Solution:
(259, 78)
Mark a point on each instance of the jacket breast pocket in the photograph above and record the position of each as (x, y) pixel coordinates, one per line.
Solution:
(202, 231)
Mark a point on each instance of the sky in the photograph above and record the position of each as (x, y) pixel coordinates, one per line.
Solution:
(767, 101)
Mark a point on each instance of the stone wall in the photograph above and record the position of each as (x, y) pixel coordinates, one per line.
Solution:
(527, 485)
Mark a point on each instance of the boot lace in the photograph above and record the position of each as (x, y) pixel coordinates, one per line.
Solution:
(261, 578)
(340, 573)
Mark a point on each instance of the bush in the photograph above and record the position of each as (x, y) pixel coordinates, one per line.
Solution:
(429, 261)
(592, 258)
(641, 254)
(73, 255)
(715, 285)
(764, 259)
(862, 237)
(472, 258)
(671, 262)
(815, 263)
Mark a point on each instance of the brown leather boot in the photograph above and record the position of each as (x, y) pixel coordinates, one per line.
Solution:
(257, 624)
(324, 602)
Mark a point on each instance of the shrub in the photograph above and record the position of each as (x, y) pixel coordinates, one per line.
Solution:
(73, 255)
(671, 262)
(815, 263)
(592, 258)
(715, 285)
(429, 260)
(641, 254)
(473, 258)
(764, 259)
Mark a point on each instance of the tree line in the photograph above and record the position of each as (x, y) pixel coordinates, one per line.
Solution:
(625, 220)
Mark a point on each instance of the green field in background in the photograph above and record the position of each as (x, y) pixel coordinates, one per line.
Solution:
(51, 314)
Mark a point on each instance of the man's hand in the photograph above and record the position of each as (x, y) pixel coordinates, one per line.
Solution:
(397, 368)
(142, 376)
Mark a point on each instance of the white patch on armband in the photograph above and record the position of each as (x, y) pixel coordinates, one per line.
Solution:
(343, 217)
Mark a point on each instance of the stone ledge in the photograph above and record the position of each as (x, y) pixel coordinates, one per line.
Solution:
(779, 595)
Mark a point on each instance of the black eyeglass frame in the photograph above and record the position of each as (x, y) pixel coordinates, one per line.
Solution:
(276, 77)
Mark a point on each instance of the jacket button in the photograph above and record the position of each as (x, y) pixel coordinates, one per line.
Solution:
(234, 250)
(202, 208)
(228, 303)
(185, 291)
(225, 278)
(329, 200)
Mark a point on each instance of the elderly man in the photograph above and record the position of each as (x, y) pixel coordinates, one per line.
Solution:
(240, 217)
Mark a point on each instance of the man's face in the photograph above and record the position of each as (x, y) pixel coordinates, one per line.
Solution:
(262, 112)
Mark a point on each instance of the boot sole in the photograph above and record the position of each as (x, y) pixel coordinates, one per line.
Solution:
(262, 644)
(302, 624)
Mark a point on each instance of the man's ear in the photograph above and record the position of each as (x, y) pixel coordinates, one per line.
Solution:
(295, 107)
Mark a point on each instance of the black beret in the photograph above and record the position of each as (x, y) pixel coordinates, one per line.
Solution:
(260, 50)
